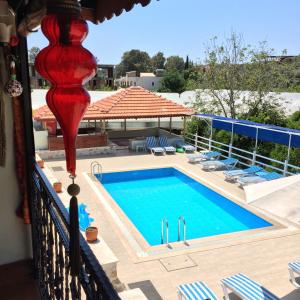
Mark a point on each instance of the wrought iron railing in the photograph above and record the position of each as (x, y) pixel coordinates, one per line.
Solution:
(245, 157)
(50, 239)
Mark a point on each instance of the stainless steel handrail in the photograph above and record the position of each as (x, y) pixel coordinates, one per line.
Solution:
(99, 168)
(164, 224)
(181, 219)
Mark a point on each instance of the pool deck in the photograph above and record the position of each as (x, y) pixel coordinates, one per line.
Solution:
(263, 258)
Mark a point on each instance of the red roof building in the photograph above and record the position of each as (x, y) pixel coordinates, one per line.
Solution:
(131, 103)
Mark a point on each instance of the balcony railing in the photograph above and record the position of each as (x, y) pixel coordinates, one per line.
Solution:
(50, 239)
(245, 157)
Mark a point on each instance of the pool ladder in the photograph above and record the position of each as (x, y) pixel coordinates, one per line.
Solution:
(95, 164)
(181, 219)
(165, 230)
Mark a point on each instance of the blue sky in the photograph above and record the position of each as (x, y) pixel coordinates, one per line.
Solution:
(183, 27)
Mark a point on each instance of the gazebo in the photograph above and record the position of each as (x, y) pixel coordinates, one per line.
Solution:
(132, 103)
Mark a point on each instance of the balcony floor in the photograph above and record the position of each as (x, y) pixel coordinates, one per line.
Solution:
(17, 283)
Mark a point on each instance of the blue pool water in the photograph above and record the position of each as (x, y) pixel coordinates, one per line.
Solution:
(148, 196)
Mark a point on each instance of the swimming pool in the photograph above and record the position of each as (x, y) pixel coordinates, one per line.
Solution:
(149, 196)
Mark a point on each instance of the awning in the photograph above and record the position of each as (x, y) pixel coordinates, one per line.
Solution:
(263, 132)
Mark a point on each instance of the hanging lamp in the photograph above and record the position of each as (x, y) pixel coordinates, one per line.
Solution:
(67, 65)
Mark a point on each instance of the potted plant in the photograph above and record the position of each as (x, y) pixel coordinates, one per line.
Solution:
(57, 186)
(91, 234)
(41, 163)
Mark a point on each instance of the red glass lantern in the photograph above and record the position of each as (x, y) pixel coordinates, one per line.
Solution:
(67, 66)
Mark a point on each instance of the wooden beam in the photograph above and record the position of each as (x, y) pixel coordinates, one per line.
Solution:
(170, 127)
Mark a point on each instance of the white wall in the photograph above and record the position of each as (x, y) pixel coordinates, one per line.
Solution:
(290, 101)
(150, 83)
(14, 235)
(40, 139)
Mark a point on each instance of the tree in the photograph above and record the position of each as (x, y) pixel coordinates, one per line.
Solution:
(187, 63)
(233, 68)
(172, 81)
(134, 60)
(279, 152)
(174, 63)
(32, 54)
(158, 61)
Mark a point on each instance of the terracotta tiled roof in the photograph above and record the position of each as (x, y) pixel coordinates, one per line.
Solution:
(130, 103)
(100, 10)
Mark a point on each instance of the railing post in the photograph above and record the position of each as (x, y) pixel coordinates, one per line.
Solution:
(285, 169)
(209, 144)
(230, 150)
(196, 141)
(254, 157)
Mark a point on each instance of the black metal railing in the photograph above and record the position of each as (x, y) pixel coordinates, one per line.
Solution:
(50, 240)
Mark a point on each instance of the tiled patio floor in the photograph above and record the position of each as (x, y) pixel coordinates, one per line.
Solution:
(265, 259)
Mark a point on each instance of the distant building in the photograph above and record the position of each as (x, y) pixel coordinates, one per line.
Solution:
(281, 58)
(104, 78)
(148, 81)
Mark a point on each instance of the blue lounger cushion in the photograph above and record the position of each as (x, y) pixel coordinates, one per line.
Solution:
(163, 142)
(295, 266)
(228, 163)
(197, 290)
(260, 177)
(185, 147)
(294, 270)
(153, 146)
(204, 156)
(247, 288)
(242, 172)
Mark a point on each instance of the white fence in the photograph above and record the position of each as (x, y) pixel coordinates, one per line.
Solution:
(246, 158)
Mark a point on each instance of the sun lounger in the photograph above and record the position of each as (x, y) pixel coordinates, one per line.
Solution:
(185, 147)
(152, 145)
(294, 268)
(203, 156)
(228, 163)
(234, 174)
(163, 142)
(246, 288)
(259, 177)
(197, 290)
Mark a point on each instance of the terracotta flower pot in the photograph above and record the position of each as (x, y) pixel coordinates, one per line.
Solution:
(41, 163)
(91, 234)
(57, 187)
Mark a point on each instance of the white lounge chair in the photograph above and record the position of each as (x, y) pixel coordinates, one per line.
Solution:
(294, 269)
(197, 290)
(228, 163)
(152, 145)
(203, 156)
(163, 142)
(259, 177)
(185, 147)
(232, 175)
(246, 288)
